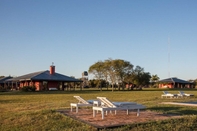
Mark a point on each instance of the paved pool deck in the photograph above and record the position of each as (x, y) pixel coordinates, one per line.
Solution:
(112, 121)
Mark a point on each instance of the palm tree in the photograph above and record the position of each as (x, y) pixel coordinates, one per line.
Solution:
(154, 79)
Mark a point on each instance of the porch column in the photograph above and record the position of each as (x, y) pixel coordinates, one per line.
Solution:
(12, 85)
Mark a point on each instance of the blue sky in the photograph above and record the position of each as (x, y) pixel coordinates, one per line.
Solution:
(74, 34)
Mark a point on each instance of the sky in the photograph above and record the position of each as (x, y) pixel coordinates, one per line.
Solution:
(157, 35)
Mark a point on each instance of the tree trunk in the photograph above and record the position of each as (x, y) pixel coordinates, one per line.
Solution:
(100, 86)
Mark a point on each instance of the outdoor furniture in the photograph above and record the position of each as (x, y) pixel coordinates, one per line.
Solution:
(107, 105)
(182, 94)
(166, 94)
(95, 102)
(81, 103)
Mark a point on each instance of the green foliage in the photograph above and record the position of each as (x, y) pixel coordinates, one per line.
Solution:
(28, 88)
(98, 83)
(2, 77)
(1, 88)
(121, 72)
(154, 78)
(154, 81)
(7, 88)
(195, 83)
(113, 71)
(139, 77)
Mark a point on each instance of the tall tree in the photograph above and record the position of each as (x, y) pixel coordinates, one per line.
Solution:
(97, 70)
(106, 74)
(111, 72)
(154, 78)
(119, 71)
(122, 68)
(139, 77)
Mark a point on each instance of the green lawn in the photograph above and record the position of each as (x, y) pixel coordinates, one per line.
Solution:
(35, 111)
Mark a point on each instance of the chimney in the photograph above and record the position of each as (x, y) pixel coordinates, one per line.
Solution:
(52, 69)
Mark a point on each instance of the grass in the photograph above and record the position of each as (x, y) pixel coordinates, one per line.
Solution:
(34, 111)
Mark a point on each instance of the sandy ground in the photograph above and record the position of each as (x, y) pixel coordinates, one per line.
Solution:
(112, 120)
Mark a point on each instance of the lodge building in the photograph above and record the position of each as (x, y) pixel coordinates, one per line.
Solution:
(43, 80)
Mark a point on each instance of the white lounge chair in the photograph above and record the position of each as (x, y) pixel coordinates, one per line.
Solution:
(182, 94)
(81, 103)
(107, 105)
(166, 94)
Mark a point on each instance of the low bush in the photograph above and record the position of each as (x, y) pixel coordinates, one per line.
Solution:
(3, 89)
(28, 88)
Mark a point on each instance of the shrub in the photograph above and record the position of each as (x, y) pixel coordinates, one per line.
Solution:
(2, 89)
(28, 88)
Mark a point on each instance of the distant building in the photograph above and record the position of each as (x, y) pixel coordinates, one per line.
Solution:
(175, 83)
(3, 80)
(44, 80)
